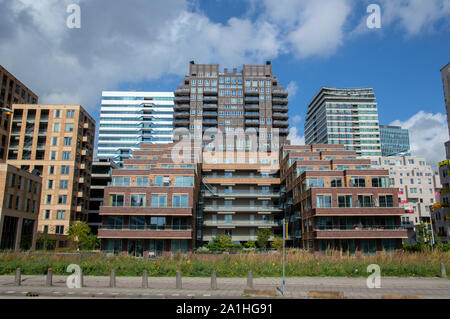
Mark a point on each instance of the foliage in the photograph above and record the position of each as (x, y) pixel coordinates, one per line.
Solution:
(277, 243)
(263, 237)
(80, 234)
(250, 244)
(298, 263)
(43, 241)
(221, 243)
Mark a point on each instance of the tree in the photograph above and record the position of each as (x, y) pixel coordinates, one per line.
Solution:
(424, 234)
(263, 237)
(221, 242)
(78, 233)
(277, 243)
(43, 241)
(90, 242)
(250, 244)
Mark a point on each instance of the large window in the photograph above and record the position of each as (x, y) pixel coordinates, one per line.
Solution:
(137, 200)
(159, 200)
(184, 181)
(121, 181)
(358, 182)
(116, 200)
(142, 181)
(313, 182)
(336, 182)
(365, 201)
(323, 201)
(345, 201)
(114, 222)
(379, 182)
(137, 222)
(162, 181)
(180, 201)
(158, 223)
(386, 201)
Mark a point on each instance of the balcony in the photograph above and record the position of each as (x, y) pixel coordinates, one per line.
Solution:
(209, 122)
(235, 224)
(83, 152)
(181, 99)
(251, 99)
(182, 123)
(252, 122)
(181, 107)
(252, 115)
(145, 211)
(178, 115)
(210, 98)
(279, 108)
(283, 131)
(278, 92)
(145, 232)
(280, 124)
(84, 139)
(241, 194)
(245, 208)
(362, 232)
(85, 125)
(358, 211)
(209, 128)
(281, 116)
(279, 101)
(209, 106)
(252, 107)
(209, 114)
(209, 91)
(182, 92)
(251, 92)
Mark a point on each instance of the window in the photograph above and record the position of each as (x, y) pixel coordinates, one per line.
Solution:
(159, 200)
(69, 127)
(142, 181)
(323, 201)
(345, 201)
(121, 181)
(51, 170)
(138, 200)
(162, 181)
(63, 184)
(184, 181)
(386, 201)
(54, 141)
(67, 141)
(56, 127)
(48, 199)
(379, 182)
(228, 219)
(53, 155)
(47, 214)
(57, 114)
(180, 201)
(336, 182)
(364, 201)
(59, 229)
(65, 170)
(358, 182)
(157, 223)
(66, 156)
(70, 114)
(62, 199)
(61, 214)
(116, 200)
(137, 222)
(313, 182)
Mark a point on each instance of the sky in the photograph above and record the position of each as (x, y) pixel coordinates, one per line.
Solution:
(147, 45)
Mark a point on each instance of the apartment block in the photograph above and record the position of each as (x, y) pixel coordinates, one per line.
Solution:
(441, 210)
(334, 200)
(417, 187)
(394, 140)
(20, 194)
(151, 204)
(100, 178)
(344, 116)
(231, 102)
(128, 119)
(56, 142)
(240, 195)
(12, 92)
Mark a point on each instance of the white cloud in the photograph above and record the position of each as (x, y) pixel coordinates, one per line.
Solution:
(427, 132)
(415, 16)
(292, 88)
(296, 119)
(295, 138)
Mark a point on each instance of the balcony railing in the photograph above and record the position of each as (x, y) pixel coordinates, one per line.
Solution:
(359, 227)
(241, 208)
(241, 194)
(242, 224)
(146, 227)
(240, 176)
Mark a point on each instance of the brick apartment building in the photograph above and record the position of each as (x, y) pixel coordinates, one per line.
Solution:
(56, 142)
(12, 92)
(20, 193)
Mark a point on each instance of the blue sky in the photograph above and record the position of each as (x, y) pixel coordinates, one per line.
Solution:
(146, 45)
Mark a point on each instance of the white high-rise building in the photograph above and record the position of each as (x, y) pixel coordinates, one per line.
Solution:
(417, 186)
(344, 116)
(128, 119)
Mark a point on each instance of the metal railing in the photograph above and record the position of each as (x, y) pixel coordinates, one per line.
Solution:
(359, 227)
(146, 227)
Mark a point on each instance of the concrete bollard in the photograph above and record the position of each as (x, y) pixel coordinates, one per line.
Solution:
(250, 280)
(49, 281)
(213, 280)
(144, 279)
(112, 279)
(18, 277)
(178, 280)
(443, 271)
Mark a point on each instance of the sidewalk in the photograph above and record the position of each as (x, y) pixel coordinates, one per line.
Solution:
(164, 287)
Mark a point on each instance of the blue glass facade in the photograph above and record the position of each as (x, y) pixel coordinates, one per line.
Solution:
(394, 140)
